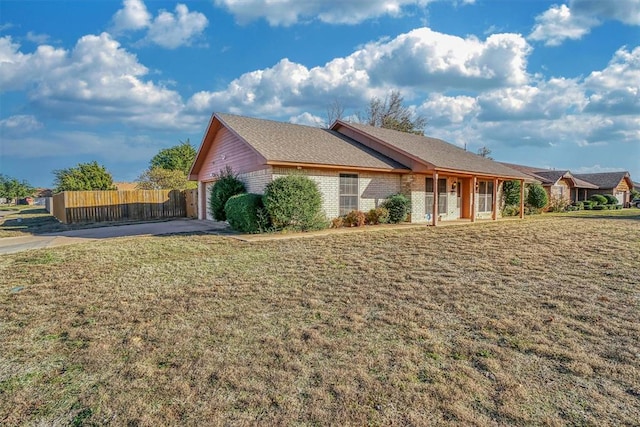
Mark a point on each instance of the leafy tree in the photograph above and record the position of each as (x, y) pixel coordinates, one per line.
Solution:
(179, 157)
(511, 192)
(12, 189)
(83, 177)
(390, 113)
(164, 179)
(537, 196)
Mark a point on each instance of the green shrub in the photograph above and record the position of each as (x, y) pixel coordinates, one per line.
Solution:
(294, 202)
(227, 185)
(611, 199)
(511, 193)
(588, 202)
(355, 219)
(618, 206)
(511, 210)
(578, 205)
(598, 207)
(378, 216)
(398, 206)
(537, 197)
(588, 207)
(598, 199)
(246, 213)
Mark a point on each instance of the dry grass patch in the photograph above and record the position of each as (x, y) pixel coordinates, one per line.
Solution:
(523, 322)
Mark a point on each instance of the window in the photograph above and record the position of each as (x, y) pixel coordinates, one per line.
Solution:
(485, 196)
(348, 193)
(442, 195)
(429, 199)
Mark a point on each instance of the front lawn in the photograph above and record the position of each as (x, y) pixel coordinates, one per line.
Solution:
(530, 322)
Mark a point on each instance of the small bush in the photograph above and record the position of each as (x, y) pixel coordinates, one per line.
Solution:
(558, 204)
(598, 199)
(511, 210)
(611, 199)
(587, 202)
(337, 222)
(294, 203)
(537, 197)
(588, 207)
(355, 219)
(398, 206)
(578, 205)
(618, 206)
(246, 213)
(378, 216)
(598, 207)
(227, 185)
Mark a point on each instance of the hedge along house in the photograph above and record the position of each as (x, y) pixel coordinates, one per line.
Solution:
(618, 184)
(355, 166)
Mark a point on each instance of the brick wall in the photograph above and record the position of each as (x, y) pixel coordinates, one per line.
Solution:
(373, 187)
(256, 181)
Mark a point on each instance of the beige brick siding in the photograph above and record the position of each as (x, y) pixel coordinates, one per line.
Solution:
(373, 187)
(256, 181)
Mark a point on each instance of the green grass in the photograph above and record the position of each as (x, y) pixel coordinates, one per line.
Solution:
(530, 322)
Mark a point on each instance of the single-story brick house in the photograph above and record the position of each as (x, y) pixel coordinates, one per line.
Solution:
(356, 167)
(579, 187)
(560, 184)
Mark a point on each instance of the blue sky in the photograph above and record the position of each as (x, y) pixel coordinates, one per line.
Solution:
(550, 84)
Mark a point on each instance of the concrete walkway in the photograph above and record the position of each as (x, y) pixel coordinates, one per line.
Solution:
(18, 244)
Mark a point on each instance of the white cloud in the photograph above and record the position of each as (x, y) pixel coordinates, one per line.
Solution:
(288, 12)
(558, 24)
(19, 124)
(96, 81)
(133, 16)
(626, 11)
(169, 30)
(308, 119)
(441, 109)
(421, 60)
(37, 38)
(562, 22)
(615, 90)
(173, 30)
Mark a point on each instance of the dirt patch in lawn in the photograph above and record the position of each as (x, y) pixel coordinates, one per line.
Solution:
(519, 322)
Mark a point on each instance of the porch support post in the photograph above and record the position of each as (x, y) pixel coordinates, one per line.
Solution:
(474, 184)
(494, 204)
(521, 198)
(434, 219)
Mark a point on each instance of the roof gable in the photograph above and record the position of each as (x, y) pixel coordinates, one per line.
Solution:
(434, 153)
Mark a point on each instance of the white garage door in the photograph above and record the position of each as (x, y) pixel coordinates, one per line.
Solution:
(620, 197)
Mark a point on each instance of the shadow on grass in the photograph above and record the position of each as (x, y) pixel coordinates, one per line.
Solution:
(602, 216)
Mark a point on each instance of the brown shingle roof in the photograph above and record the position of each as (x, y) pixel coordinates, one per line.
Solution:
(604, 180)
(291, 143)
(439, 153)
(550, 176)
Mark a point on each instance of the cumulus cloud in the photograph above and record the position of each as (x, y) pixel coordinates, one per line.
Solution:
(421, 60)
(288, 12)
(96, 81)
(615, 90)
(562, 22)
(308, 119)
(167, 29)
(133, 16)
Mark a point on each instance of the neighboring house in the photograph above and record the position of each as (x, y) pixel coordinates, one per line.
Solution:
(559, 184)
(355, 166)
(618, 184)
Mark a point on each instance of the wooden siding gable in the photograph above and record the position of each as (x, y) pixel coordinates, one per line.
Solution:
(222, 147)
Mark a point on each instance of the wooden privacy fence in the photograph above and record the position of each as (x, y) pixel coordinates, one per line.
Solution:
(98, 206)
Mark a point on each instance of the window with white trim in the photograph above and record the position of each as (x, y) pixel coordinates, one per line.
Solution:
(485, 196)
(348, 193)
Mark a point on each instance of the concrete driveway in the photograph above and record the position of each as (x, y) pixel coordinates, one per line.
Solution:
(18, 244)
